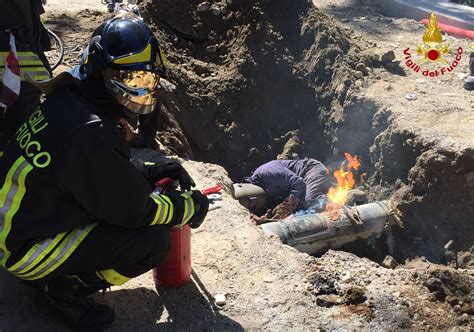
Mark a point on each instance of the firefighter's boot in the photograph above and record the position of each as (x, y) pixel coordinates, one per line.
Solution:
(69, 296)
(469, 81)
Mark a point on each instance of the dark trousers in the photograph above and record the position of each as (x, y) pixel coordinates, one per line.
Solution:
(129, 251)
(317, 183)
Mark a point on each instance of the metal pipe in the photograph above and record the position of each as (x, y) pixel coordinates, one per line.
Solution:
(313, 233)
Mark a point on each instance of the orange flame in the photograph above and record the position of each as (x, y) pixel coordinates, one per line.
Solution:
(432, 34)
(345, 181)
(353, 161)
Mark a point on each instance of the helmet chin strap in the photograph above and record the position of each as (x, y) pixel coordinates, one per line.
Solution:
(128, 130)
(128, 123)
(131, 118)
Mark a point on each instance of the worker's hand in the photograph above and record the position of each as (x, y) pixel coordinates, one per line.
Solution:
(285, 208)
(256, 220)
(170, 169)
(201, 207)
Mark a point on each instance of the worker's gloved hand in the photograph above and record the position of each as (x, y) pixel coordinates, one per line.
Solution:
(256, 220)
(201, 207)
(169, 169)
(285, 208)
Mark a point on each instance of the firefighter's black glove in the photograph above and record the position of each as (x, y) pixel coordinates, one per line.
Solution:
(201, 207)
(169, 169)
(174, 170)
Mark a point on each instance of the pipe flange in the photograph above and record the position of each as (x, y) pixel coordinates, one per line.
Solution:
(395, 213)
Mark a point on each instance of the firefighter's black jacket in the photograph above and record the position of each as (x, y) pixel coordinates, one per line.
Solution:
(79, 172)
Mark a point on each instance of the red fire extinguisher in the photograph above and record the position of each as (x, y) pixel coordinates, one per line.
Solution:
(175, 271)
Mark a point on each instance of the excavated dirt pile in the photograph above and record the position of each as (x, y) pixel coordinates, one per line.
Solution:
(256, 79)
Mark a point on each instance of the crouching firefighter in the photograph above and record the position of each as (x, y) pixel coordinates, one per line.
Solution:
(76, 215)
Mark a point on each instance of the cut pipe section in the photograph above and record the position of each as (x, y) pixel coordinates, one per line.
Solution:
(313, 233)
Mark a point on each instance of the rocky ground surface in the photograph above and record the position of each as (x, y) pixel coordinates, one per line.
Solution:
(260, 89)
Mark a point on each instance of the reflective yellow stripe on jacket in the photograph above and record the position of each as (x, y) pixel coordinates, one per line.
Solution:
(164, 210)
(29, 63)
(188, 206)
(112, 277)
(11, 196)
(45, 256)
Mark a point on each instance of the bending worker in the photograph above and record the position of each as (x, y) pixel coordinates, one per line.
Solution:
(291, 184)
(76, 215)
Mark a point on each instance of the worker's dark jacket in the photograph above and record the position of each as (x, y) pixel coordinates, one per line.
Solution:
(65, 170)
(306, 179)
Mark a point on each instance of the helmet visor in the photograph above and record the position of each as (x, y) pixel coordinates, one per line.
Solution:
(136, 90)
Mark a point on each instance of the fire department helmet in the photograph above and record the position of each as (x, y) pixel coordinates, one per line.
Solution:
(124, 51)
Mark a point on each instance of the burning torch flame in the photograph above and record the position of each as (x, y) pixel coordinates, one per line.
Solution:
(345, 181)
(432, 34)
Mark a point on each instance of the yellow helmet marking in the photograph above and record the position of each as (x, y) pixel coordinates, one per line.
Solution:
(143, 56)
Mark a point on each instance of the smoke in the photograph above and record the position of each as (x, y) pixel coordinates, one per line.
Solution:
(318, 206)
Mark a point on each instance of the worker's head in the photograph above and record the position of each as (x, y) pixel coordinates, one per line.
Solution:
(125, 55)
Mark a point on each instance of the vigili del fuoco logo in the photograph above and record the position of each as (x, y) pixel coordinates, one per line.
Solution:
(434, 57)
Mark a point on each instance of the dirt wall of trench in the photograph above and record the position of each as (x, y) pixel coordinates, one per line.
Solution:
(434, 185)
